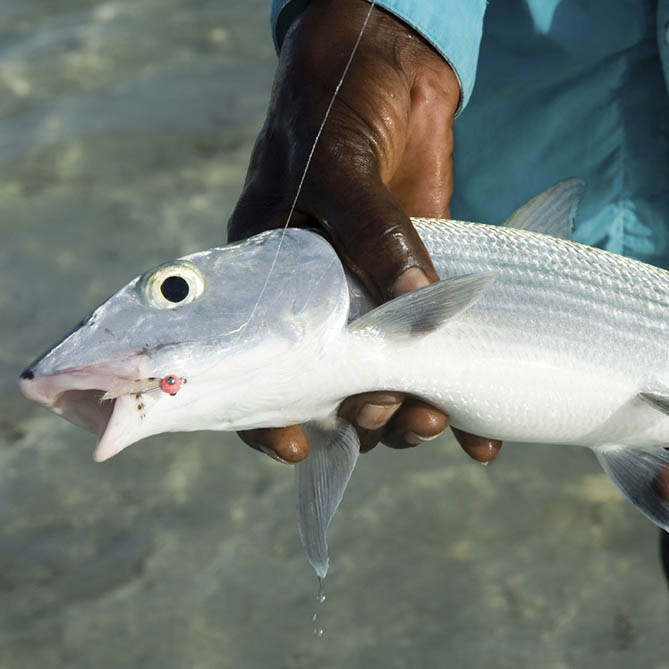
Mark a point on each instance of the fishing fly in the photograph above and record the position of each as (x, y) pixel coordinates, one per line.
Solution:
(169, 384)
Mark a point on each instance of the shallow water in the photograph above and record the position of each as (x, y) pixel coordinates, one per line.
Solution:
(125, 130)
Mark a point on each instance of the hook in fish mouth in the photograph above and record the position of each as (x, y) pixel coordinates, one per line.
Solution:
(170, 384)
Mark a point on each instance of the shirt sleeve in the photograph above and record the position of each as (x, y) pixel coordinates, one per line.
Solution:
(453, 27)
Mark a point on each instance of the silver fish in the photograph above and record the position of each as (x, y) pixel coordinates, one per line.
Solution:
(528, 337)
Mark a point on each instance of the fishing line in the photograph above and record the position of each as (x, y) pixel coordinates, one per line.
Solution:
(306, 169)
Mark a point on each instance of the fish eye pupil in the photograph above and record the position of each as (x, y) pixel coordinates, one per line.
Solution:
(174, 289)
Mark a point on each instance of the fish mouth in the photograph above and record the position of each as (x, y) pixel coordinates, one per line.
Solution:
(94, 397)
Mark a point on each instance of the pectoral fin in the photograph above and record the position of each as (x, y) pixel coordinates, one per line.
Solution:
(425, 309)
(551, 212)
(642, 475)
(320, 482)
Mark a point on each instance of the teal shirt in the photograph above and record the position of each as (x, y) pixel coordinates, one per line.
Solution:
(563, 89)
(569, 91)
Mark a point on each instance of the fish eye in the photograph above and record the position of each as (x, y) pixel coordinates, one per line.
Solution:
(175, 289)
(172, 285)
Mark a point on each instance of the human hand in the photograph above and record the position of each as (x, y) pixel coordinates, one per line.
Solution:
(385, 150)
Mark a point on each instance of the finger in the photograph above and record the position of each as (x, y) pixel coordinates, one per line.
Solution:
(415, 423)
(481, 449)
(369, 413)
(375, 237)
(285, 444)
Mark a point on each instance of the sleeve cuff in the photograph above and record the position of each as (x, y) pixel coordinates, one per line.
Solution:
(453, 27)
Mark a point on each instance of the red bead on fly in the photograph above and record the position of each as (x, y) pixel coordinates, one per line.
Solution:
(171, 384)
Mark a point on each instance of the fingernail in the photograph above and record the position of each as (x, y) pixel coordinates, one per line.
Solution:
(374, 416)
(415, 439)
(410, 279)
(272, 454)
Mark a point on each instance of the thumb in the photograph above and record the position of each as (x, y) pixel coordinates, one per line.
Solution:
(377, 240)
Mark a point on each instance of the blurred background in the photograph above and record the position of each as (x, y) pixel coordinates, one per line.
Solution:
(125, 131)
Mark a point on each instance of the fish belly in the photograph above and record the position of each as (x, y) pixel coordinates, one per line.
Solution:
(495, 388)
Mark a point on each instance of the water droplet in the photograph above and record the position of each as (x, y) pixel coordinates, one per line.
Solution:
(320, 599)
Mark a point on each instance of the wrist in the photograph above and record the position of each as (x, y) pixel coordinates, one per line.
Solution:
(328, 29)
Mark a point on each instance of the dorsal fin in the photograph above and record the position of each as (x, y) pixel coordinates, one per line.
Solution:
(551, 212)
(425, 309)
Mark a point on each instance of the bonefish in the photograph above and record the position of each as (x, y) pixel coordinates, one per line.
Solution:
(528, 337)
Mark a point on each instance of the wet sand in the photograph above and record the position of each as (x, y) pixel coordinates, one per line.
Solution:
(125, 130)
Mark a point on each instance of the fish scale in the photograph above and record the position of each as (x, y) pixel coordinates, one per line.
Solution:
(461, 242)
(597, 296)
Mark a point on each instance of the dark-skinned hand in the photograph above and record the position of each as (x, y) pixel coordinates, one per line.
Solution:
(384, 154)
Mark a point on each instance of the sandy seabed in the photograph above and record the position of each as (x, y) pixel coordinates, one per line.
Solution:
(125, 131)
